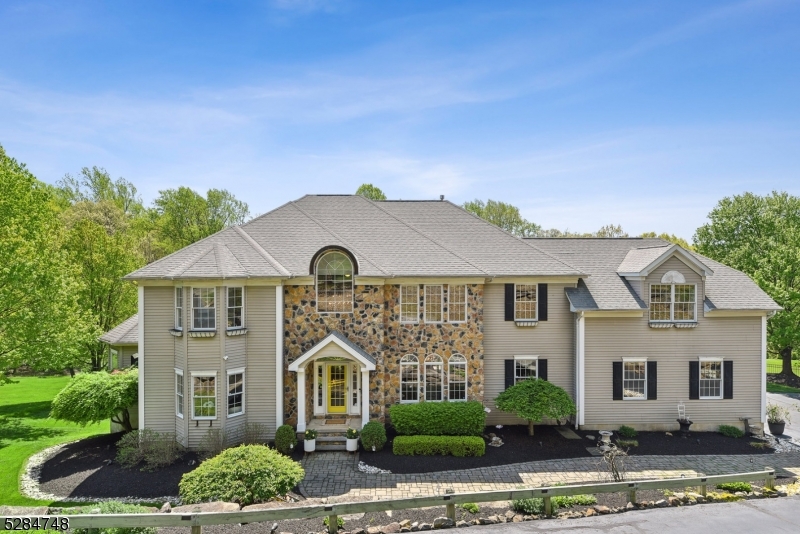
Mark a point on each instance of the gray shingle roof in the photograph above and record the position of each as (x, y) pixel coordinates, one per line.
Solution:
(604, 289)
(392, 238)
(125, 333)
(362, 352)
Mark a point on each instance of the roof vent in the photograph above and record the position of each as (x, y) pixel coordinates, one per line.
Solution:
(441, 197)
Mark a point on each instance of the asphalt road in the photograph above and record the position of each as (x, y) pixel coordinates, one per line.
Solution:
(755, 516)
(791, 401)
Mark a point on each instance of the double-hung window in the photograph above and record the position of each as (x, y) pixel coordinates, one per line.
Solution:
(457, 303)
(409, 304)
(235, 307)
(235, 392)
(525, 367)
(634, 379)
(204, 316)
(409, 378)
(434, 309)
(179, 393)
(204, 395)
(434, 378)
(525, 302)
(457, 378)
(673, 302)
(178, 308)
(710, 379)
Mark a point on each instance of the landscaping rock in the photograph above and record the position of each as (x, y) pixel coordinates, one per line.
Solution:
(443, 522)
(405, 529)
(391, 528)
(462, 523)
(517, 518)
(510, 515)
(216, 506)
(629, 506)
(486, 521)
(415, 526)
(166, 508)
(374, 530)
(600, 509)
(405, 523)
(661, 503)
(425, 526)
(674, 501)
(590, 512)
(497, 519)
(359, 531)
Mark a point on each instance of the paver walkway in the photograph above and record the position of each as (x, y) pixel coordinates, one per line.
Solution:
(335, 474)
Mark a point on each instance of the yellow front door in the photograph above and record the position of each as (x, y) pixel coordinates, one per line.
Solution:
(337, 388)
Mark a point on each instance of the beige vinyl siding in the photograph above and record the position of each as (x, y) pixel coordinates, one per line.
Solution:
(260, 352)
(732, 338)
(553, 340)
(124, 354)
(182, 425)
(159, 359)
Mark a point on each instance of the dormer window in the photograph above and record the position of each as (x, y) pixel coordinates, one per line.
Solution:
(334, 272)
(673, 300)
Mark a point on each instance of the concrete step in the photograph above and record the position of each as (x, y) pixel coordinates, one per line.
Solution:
(331, 447)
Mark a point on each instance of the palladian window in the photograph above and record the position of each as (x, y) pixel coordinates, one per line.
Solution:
(334, 283)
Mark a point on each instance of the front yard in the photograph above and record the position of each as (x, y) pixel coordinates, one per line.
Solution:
(25, 429)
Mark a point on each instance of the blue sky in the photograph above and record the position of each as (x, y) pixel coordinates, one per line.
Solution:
(636, 113)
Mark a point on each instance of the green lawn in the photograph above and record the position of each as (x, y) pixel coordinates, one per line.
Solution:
(25, 429)
(780, 388)
(774, 366)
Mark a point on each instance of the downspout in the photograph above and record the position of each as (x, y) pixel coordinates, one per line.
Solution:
(580, 356)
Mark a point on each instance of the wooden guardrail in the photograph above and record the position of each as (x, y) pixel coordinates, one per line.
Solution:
(333, 511)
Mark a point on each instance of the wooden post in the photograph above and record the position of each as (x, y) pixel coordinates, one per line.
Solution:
(769, 482)
(548, 506)
(704, 490)
(451, 511)
(333, 524)
(632, 496)
(197, 529)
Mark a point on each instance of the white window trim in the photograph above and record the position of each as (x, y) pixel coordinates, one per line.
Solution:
(416, 305)
(671, 304)
(441, 302)
(426, 363)
(203, 374)
(227, 307)
(227, 385)
(634, 360)
(450, 302)
(419, 382)
(179, 372)
(214, 291)
(705, 359)
(524, 357)
(352, 284)
(466, 379)
(182, 308)
(536, 318)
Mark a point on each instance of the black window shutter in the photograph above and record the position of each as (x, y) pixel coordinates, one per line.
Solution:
(727, 379)
(652, 381)
(617, 380)
(541, 370)
(542, 300)
(509, 373)
(510, 302)
(694, 380)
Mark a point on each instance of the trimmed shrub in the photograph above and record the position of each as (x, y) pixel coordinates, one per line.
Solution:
(246, 474)
(730, 431)
(535, 400)
(113, 507)
(471, 507)
(285, 439)
(439, 419)
(155, 449)
(373, 435)
(733, 487)
(535, 505)
(627, 432)
(447, 445)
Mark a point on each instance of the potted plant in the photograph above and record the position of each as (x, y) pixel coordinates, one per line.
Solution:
(310, 440)
(352, 440)
(777, 417)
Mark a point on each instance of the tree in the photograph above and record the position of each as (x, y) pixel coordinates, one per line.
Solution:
(41, 322)
(503, 215)
(761, 237)
(371, 192)
(607, 231)
(534, 400)
(670, 238)
(187, 217)
(96, 185)
(95, 397)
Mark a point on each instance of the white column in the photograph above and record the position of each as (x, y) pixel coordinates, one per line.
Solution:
(580, 384)
(764, 370)
(279, 356)
(301, 400)
(140, 349)
(364, 396)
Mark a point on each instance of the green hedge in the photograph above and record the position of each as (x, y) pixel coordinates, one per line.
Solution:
(373, 435)
(439, 419)
(447, 445)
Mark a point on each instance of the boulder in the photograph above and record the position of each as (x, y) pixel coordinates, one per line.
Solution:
(462, 524)
(629, 506)
(600, 509)
(405, 529)
(590, 512)
(486, 520)
(166, 509)
(373, 530)
(662, 503)
(405, 523)
(673, 500)
(517, 518)
(425, 526)
(510, 515)
(391, 528)
(443, 522)
(216, 506)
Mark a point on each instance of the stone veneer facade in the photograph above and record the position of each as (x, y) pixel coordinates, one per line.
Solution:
(375, 326)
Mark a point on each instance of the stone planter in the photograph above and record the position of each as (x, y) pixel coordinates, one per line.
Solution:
(776, 429)
(352, 445)
(309, 445)
(685, 424)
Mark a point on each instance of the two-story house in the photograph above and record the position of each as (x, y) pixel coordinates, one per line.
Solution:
(336, 306)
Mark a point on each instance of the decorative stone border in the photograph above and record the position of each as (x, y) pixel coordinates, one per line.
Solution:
(30, 480)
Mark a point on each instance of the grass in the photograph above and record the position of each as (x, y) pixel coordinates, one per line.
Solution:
(774, 366)
(780, 388)
(25, 429)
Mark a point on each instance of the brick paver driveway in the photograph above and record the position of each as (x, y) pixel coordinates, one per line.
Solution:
(334, 474)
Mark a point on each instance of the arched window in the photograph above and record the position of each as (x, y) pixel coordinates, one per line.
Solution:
(334, 283)
(434, 378)
(409, 378)
(457, 378)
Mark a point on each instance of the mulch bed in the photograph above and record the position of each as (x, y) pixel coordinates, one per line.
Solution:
(547, 444)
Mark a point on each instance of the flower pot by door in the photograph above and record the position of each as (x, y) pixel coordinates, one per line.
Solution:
(309, 445)
(776, 429)
(352, 445)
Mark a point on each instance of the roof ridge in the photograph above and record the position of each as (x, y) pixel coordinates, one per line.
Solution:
(334, 234)
(429, 238)
(264, 254)
(192, 262)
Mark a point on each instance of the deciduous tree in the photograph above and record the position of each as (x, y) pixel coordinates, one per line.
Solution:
(535, 400)
(371, 192)
(95, 397)
(503, 215)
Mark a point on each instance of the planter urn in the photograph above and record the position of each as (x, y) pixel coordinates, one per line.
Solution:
(776, 429)
(352, 444)
(685, 424)
(309, 445)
